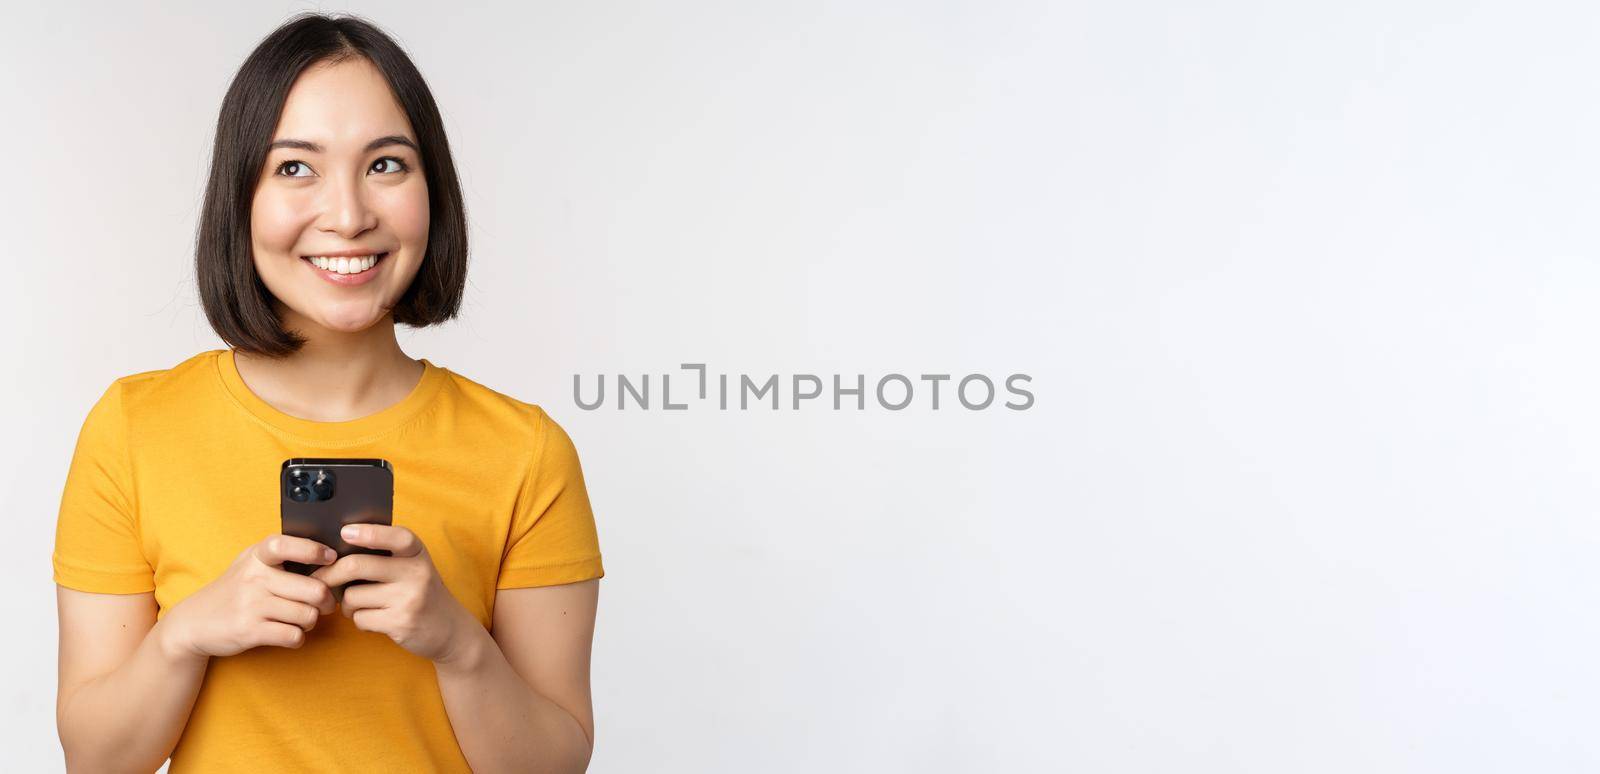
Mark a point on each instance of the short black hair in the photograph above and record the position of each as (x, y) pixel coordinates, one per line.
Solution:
(237, 303)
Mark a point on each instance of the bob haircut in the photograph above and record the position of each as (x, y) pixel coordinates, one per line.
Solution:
(237, 303)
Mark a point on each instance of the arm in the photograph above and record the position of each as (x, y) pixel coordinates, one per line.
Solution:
(518, 698)
(128, 681)
(123, 695)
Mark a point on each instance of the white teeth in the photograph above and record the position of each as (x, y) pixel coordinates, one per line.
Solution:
(345, 265)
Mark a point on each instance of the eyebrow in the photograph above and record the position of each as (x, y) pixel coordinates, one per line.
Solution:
(393, 139)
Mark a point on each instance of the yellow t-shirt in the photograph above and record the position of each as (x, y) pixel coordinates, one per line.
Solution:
(176, 472)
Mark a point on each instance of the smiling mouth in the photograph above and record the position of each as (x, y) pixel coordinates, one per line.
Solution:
(357, 265)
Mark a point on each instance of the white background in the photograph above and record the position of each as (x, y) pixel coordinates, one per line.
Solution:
(1307, 292)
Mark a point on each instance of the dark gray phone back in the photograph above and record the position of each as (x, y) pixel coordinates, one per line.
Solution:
(321, 495)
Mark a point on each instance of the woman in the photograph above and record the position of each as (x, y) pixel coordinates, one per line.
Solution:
(332, 212)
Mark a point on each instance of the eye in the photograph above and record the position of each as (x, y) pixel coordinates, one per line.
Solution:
(292, 163)
(400, 165)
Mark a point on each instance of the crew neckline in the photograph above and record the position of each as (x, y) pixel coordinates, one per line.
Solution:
(346, 433)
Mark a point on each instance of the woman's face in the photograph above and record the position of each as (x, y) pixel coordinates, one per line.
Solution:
(343, 175)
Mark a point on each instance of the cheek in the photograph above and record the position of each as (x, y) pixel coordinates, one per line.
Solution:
(409, 215)
(276, 222)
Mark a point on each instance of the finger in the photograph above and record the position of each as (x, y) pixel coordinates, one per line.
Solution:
(277, 549)
(290, 612)
(364, 596)
(371, 619)
(363, 566)
(283, 635)
(399, 541)
(301, 588)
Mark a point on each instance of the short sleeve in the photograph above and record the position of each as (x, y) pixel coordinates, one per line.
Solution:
(552, 538)
(97, 537)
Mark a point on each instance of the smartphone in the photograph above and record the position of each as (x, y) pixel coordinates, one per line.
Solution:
(319, 496)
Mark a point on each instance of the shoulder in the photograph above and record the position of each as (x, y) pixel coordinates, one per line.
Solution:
(146, 390)
(524, 423)
(154, 398)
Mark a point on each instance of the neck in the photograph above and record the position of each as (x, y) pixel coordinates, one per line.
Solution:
(336, 375)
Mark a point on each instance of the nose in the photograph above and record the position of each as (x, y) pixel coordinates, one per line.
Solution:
(346, 212)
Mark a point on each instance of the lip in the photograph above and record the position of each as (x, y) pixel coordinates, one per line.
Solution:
(345, 253)
(349, 280)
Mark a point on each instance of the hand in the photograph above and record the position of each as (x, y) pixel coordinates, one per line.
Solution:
(407, 600)
(254, 602)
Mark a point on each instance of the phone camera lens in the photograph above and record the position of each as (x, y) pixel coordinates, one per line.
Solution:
(299, 477)
(324, 485)
(299, 494)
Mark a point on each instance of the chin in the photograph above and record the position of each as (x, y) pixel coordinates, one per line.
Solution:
(347, 322)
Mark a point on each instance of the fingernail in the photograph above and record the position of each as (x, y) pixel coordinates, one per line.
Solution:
(328, 555)
(349, 532)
